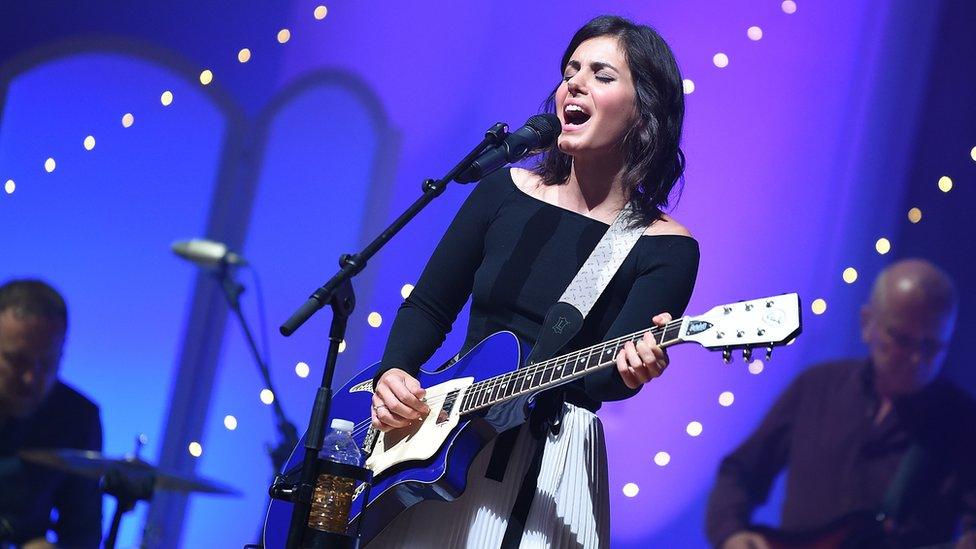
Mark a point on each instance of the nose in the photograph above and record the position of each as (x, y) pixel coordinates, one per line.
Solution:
(29, 376)
(574, 85)
(32, 375)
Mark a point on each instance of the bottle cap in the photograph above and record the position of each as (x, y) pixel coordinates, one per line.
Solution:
(342, 425)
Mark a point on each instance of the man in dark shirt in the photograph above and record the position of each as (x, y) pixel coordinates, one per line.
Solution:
(38, 411)
(845, 430)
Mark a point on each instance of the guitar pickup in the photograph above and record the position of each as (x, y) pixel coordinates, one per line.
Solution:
(449, 401)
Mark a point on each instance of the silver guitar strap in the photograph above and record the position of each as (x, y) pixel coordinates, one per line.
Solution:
(565, 318)
(604, 260)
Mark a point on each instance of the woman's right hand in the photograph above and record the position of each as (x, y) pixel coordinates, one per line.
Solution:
(397, 400)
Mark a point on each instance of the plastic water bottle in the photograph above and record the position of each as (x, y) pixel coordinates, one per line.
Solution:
(332, 497)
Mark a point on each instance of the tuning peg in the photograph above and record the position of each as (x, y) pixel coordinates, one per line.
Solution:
(747, 354)
(727, 356)
(769, 353)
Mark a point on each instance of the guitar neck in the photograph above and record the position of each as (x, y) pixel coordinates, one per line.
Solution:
(560, 370)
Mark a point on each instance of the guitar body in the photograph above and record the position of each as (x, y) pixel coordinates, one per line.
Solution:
(426, 462)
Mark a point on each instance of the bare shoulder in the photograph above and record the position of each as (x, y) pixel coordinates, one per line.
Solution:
(667, 225)
(527, 182)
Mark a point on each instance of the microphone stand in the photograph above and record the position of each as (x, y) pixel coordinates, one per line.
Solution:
(338, 293)
(287, 432)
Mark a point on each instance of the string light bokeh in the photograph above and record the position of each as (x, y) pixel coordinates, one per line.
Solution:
(707, 94)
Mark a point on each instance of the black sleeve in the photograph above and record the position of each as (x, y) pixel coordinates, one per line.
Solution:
(746, 475)
(665, 287)
(425, 318)
(78, 499)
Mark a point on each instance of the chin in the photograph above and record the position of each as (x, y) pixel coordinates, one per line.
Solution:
(572, 146)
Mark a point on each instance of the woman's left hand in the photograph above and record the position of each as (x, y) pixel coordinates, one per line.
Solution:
(644, 361)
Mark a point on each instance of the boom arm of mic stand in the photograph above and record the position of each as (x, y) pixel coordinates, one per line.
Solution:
(352, 264)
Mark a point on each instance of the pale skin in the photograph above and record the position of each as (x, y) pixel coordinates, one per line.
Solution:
(597, 80)
(906, 325)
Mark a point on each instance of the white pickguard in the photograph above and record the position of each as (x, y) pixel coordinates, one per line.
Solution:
(420, 440)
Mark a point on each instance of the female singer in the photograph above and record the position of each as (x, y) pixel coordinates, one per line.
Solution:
(516, 243)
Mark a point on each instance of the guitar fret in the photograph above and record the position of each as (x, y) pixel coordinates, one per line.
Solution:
(510, 386)
(672, 332)
(537, 377)
(491, 393)
(466, 402)
(581, 361)
(578, 366)
(496, 390)
(528, 374)
(485, 394)
(549, 373)
(595, 358)
(477, 394)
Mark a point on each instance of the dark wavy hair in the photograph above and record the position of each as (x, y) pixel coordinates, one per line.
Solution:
(654, 162)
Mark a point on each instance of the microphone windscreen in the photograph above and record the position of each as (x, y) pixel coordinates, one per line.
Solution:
(548, 127)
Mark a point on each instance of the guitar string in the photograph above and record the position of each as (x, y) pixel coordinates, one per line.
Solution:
(530, 371)
(541, 366)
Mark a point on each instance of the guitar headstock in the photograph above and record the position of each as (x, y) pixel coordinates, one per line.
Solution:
(765, 322)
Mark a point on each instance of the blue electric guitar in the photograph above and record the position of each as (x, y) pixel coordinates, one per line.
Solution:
(488, 391)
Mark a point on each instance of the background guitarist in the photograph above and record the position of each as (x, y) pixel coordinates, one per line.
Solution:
(514, 246)
(843, 429)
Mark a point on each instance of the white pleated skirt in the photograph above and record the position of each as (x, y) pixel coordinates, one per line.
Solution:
(571, 507)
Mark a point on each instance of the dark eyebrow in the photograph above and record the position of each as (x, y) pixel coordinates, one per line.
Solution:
(596, 66)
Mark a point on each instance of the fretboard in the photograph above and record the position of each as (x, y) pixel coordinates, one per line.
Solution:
(557, 371)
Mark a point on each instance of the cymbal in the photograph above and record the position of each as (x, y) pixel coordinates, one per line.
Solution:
(95, 465)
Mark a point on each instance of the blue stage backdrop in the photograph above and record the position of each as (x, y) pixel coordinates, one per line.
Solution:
(799, 133)
(99, 224)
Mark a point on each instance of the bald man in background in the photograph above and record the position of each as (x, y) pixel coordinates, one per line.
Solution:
(845, 430)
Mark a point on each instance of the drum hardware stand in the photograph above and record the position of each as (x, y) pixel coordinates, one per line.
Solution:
(127, 492)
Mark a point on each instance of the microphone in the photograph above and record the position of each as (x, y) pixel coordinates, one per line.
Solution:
(538, 133)
(207, 253)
